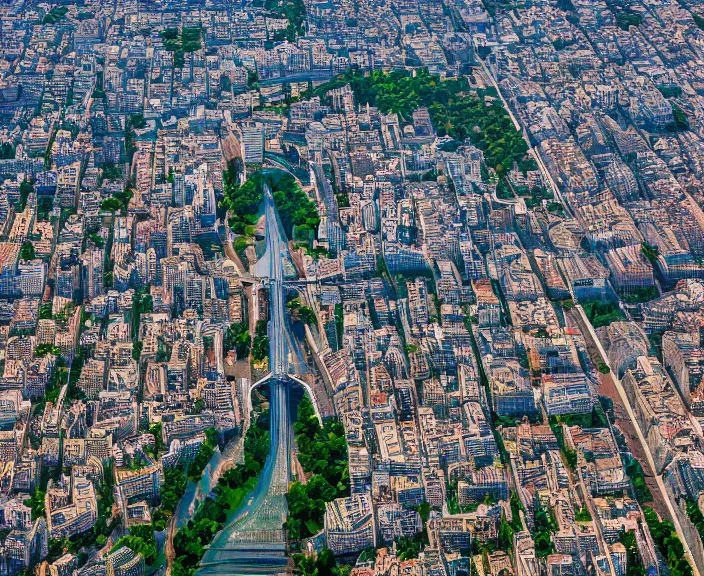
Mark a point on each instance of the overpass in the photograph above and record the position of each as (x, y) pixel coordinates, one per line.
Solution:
(253, 541)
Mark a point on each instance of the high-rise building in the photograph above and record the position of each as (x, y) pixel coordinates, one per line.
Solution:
(143, 483)
(68, 279)
(92, 379)
(179, 189)
(349, 524)
(180, 222)
(153, 276)
(194, 291)
(252, 143)
(30, 277)
(93, 273)
(124, 562)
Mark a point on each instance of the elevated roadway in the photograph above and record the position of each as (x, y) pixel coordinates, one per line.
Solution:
(253, 541)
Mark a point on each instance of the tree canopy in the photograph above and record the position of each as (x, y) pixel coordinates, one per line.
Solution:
(322, 453)
(454, 111)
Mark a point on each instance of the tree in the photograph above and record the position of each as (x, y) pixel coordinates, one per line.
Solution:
(322, 452)
(257, 443)
(668, 543)
(424, 510)
(210, 517)
(111, 172)
(650, 252)
(137, 121)
(324, 564)
(544, 527)
(205, 452)
(505, 535)
(111, 205)
(36, 503)
(237, 338)
(407, 548)
(45, 311)
(583, 515)
(570, 458)
(260, 346)
(54, 15)
(681, 120)
(633, 559)
(41, 350)
(27, 251)
(299, 214)
(140, 540)
(242, 201)
(454, 110)
(308, 315)
(7, 151)
(601, 313)
(240, 244)
(26, 188)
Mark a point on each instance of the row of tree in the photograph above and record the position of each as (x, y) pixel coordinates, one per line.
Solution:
(322, 453)
(229, 494)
